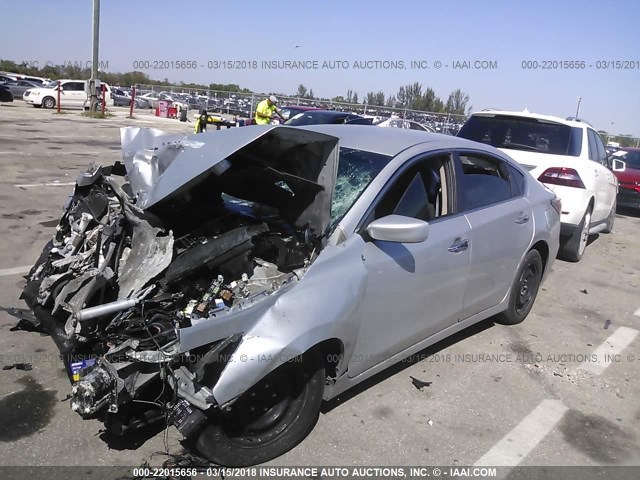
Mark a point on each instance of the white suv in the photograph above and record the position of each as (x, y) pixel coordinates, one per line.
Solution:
(567, 156)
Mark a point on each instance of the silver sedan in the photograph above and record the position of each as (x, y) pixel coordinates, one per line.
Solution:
(242, 276)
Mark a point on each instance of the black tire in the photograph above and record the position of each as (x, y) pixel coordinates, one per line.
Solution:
(48, 102)
(240, 438)
(573, 247)
(611, 218)
(524, 290)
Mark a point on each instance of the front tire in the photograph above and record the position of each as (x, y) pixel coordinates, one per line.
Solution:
(270, 418)
(48, 102)
(524, 290)
(575, 245)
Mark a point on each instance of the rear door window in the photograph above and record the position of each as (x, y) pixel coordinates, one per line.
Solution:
(602, 153)
(593, 147)
(484, 181)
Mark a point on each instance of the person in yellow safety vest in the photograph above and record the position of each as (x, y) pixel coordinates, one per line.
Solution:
(201, 123)
(265, 111)
(203, 119)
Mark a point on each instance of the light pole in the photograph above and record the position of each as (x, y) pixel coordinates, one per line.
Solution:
(578, 107)
(94, 64)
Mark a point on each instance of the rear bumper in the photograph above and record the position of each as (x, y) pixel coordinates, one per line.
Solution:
(568, 229)
(574, 203)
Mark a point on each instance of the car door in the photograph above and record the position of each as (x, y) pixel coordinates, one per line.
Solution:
(413, 290)
(72, 94)
(22, 87)
(610, 183)
(501, 221)
(603, 200)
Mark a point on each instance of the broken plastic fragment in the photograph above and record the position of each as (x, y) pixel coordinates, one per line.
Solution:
(419, 384)
(19, 366)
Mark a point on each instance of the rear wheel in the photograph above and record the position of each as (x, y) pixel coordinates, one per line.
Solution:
(575, 245)
(611, 218)
(270, 418)
(524, 290)
(48, 102)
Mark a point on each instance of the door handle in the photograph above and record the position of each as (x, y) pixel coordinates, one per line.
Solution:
(459, 245)
(522, 219)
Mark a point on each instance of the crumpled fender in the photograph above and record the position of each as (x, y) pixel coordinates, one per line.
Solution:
(323, 305)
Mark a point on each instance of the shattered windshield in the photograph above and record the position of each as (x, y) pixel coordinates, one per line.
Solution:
(356, 170)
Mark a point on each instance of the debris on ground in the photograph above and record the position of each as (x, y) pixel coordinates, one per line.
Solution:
(430, 422)
(585, 291)
(19, 366)
(419, 384)
(607, 324)
(26, 320)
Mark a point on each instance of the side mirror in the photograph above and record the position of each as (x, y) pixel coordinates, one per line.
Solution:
(618, 165)
(398, 228)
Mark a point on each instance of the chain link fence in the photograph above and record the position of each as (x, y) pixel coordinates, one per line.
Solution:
(243, 105)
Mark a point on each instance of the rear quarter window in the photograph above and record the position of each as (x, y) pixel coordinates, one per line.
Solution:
(518, 182)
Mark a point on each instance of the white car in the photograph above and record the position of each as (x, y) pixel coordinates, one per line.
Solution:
(567, 156)
(72, 94)
(154, 97)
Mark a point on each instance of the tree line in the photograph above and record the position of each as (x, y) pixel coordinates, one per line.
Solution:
(412, 96)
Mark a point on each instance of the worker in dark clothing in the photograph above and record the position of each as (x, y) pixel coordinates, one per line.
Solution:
(201, 123)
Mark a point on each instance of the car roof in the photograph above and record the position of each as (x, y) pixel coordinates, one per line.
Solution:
(526, 114)
(301, 107)
(330, 113)
(388, 141)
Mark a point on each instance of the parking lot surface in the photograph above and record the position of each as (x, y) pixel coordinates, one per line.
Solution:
(513, 395)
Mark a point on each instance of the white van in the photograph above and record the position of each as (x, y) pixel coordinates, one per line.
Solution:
(73, 93)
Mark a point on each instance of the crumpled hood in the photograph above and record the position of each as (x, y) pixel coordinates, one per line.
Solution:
(291, 169)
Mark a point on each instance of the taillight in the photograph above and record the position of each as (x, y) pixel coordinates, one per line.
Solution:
(567, 177)
(556, 203)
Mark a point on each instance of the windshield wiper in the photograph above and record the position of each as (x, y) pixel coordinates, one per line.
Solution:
(521, 146)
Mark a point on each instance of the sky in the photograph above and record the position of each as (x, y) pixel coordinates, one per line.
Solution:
(505, 32)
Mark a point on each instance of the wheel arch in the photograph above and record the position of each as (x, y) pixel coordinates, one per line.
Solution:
(332, 351)
(46, 97)
(543, 249)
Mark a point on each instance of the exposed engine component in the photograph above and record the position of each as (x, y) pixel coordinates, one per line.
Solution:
(92, 392)
(186, 418)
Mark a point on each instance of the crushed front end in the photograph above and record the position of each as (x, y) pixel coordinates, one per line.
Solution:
(142, 253)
